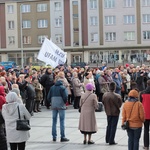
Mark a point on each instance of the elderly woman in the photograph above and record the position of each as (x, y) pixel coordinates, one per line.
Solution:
(87, 122)
(17, 139)
(133, 111)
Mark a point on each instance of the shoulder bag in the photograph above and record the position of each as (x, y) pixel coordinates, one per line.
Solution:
(22, 125)
(83, 103)
(125, 125)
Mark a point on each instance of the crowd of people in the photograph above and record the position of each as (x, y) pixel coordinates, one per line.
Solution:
(56, 88)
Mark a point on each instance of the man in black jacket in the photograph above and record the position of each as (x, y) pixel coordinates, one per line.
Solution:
(47, 80)
(30, 95)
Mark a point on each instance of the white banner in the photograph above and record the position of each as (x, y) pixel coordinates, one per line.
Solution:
(51, 54)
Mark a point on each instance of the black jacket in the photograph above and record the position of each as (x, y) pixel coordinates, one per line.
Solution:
(47, 80)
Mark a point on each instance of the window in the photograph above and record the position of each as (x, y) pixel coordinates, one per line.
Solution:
(41, 38)
(109, 3)
(58, 22)
(146, 18)
(75, 15)
(110, 36)
(128, 3)
(41, 7)
(75, 2)
(129, 19)
(145, 2)
(42, 23)
(94, 37)
(26, 24)
(11, 40)
(146, 35)
(130, 35)
(93, 4)
(25, 8)
(58, 38)
(57, 6)
(11, 25)
(93, 21)
(110, 20)
(10, 9)
(26, 39)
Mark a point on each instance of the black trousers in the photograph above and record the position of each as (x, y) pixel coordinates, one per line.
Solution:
(18, 146)
(29, 105)
(77, 102)
(112, 122)
(146, 133)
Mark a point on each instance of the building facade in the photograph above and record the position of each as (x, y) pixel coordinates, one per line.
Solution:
(88, 30)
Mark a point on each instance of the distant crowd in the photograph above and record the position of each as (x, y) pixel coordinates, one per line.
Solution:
(35, 88)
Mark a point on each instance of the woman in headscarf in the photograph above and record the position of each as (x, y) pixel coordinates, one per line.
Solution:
(87, 122)
(16, 139)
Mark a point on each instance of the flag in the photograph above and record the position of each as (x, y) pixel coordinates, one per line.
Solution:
(51, 54)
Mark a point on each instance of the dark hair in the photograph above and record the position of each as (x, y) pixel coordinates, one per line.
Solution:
(148, 82)
(112, 86)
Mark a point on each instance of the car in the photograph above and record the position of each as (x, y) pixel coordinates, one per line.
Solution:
(8, 65)
(78, 64)
(37, 66)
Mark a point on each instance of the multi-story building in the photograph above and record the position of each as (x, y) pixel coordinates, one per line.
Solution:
(88, 30)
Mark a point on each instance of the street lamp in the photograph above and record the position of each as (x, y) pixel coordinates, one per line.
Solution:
(21, 41)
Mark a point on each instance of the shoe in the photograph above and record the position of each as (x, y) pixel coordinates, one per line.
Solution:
(113, 143)
(39, 110)
(64, 140)
(91, 142)
(35, 111)
(54, 140)
(84, 142)
(146, 148)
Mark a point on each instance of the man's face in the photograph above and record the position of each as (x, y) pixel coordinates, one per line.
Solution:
(49, 70)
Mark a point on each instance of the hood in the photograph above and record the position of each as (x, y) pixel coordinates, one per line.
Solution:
(58, 82)
(2, 91)
(10, 108)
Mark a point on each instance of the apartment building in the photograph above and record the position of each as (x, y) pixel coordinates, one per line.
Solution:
(88, 30)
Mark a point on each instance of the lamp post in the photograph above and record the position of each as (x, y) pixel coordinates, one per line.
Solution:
(21, 42)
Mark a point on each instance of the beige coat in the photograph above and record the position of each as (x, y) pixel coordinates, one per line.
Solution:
(87, 120)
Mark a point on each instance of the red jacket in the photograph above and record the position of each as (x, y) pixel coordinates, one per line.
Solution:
(146, 105)
(2, 96)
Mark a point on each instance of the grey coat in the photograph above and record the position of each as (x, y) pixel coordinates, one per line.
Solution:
(77, 87)
(87, 120)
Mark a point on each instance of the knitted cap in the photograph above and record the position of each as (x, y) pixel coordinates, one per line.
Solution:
(89, 86)
(133, 93)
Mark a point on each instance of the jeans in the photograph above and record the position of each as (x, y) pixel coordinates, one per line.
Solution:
(62, 123)
(112, 122)
(133, 138)
(146, 133)
(18, 146)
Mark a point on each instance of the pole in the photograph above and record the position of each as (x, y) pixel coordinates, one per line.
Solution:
(21, 42)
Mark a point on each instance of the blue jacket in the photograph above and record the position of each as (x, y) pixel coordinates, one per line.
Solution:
(58, 96)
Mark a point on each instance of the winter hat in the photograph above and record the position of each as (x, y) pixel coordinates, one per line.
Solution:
(11, 97)
(133, 93)
(89, 86)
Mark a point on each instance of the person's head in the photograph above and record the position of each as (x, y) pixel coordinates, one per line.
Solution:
(27, 78)
(112, 86)
(35, 80)
(89, 87)
(49, 70)
(75, 74)
(17, 91)
(133, 94)
(11, 97)
(15, 86)
(61, 74)
(148, 82)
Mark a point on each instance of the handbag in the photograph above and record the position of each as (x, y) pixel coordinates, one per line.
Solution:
(125, 125)
(22, 125)
(83, 103)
